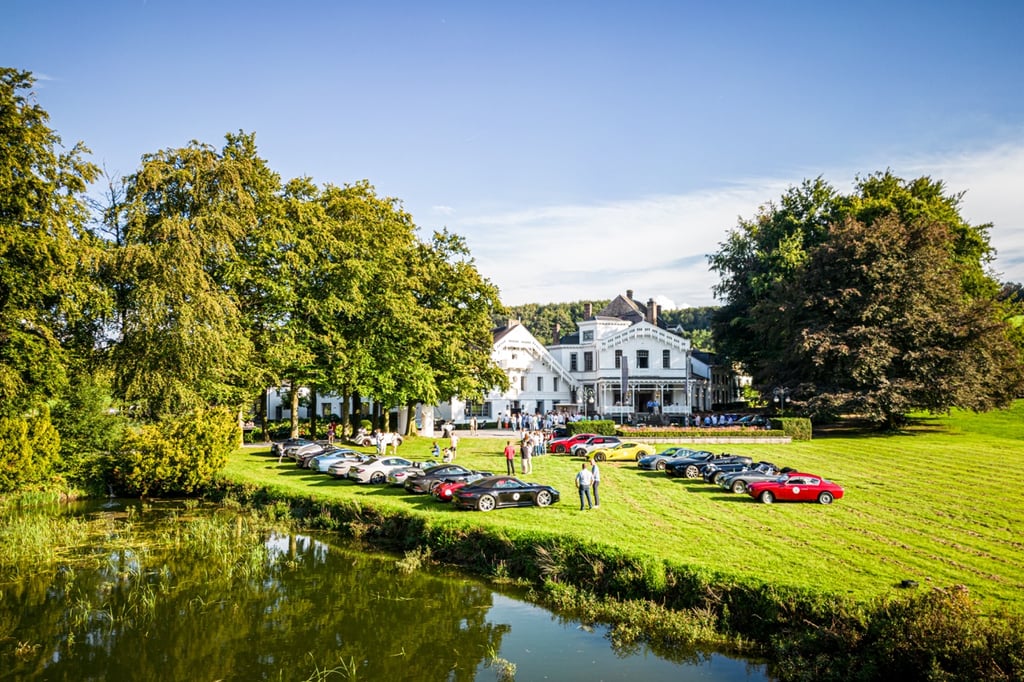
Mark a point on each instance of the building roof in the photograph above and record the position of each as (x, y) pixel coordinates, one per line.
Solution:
(624, 308)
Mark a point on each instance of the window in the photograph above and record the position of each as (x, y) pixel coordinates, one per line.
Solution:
(588, 361)
(642, 359)
(475, 409)
(522, 383)
(666, 358)
(588, 336)
(574, 366)
(326, 409)
(540, 384)
(618, 359)
(555, 382)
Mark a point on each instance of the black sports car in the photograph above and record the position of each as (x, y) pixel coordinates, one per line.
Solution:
(713, 471)
(762, 471)
(504, 491)
(436, 475)
(689, 467)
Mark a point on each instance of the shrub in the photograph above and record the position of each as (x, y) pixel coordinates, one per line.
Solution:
(179, 456)
(602, 427)
(29, 449)
(797, 428)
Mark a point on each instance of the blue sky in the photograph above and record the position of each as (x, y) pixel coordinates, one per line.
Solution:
(582, 148)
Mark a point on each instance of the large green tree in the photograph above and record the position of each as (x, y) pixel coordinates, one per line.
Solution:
(458, 305)
(184, 343)
(44, 287)
(876, 303)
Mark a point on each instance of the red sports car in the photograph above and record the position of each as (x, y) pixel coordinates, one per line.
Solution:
(446, 490)
(563, 445)
(796, 487)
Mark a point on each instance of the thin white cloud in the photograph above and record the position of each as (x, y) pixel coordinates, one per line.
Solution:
(991, 183)
(658, 246)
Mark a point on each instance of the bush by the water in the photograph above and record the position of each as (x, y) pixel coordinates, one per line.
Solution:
(174, 457)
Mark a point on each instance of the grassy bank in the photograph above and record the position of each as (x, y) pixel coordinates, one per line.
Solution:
(937, 504)
(679, 563)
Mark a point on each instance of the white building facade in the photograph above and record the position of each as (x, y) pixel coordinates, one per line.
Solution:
(619, 364)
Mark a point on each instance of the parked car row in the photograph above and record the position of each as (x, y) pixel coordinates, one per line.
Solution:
(447, 482)
(764, 481)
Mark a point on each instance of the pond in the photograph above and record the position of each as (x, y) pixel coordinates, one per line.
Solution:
(162, 591)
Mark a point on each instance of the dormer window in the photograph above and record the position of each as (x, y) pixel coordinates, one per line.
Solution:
(588, 335)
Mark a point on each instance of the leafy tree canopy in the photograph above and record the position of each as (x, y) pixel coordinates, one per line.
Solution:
(876, 303)
(43, 290)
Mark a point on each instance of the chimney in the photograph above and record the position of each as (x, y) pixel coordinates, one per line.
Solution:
(588, 311)
(629, 294)
(511, 323)
(652, 312)
(556, 337)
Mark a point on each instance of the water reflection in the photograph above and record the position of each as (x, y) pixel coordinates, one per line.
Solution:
(163, 592)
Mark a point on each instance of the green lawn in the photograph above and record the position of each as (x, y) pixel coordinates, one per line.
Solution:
(940, 504)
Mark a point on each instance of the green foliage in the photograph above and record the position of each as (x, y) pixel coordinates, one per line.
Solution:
(542, 320)
(29, 450)
(934, 635)
(876, 304)
(601, 427)
(44, 289)
(183, 342)
(176, 456)
(689, 433)
(15, 453)
(797, 428)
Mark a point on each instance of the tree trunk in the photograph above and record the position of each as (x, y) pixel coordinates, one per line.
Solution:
(295, 412)
(346, 407)
(312, 413)
(261, 415)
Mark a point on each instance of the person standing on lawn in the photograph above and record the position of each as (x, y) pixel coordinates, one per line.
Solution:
(510, 458)
(584, 479)
(595, 473)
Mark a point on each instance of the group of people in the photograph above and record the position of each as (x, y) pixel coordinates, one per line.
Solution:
(448, 454)
(531, 444)
(588, 479)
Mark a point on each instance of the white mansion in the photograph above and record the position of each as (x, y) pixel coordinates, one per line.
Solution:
(621, 364)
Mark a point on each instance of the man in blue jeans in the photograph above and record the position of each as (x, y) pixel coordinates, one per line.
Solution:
(584, 479)
(595, 474)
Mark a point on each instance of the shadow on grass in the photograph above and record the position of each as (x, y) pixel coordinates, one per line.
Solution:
(864, 429)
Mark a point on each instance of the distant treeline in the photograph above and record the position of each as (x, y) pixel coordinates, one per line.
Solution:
(541, 318)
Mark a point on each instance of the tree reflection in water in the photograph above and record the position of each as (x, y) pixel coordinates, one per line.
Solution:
(177, 592)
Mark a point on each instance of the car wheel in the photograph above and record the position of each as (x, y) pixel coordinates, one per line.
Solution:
(485, 503)
(543, 498)
(739, 487)
(560, 449)
(766, 497)
(599, 456)
(825, 498)
(717, 475)
(377, 477)
(692, 471)
(660, 466)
